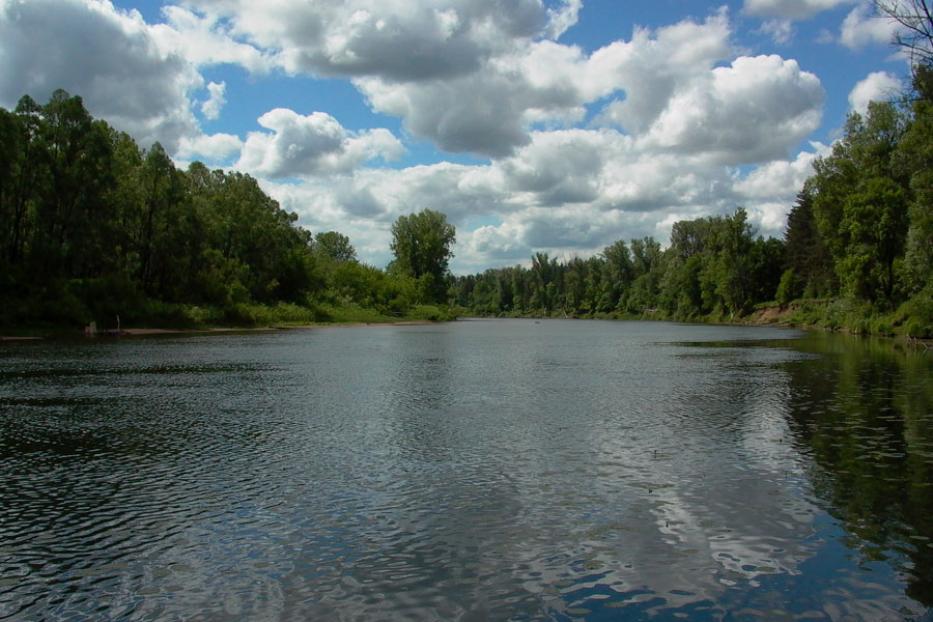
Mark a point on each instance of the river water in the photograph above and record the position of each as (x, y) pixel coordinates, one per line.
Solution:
(507, 469)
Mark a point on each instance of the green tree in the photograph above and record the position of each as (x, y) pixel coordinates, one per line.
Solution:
(865, 151)
(619, 272)
(807, 256)
(914, 160)
(422, 244)
(335, 246)
(875, 221)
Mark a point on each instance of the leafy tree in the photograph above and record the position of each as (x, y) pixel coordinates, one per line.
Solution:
(859, 202)
(875, 221)
(914, 160)
(422, 244)
(619, 274)
(807, 257)
(865, 150)
(766, 259)
(335, 246)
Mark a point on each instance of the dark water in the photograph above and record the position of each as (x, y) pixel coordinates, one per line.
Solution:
(476, 470)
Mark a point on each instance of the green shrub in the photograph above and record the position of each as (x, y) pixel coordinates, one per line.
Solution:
(788, 288)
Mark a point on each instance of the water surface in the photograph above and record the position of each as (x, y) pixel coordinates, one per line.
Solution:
(476, 470)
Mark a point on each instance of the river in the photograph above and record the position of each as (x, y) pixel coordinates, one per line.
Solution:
(504, 469)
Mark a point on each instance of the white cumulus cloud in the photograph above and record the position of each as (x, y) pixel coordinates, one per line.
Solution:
(108, 56)
(211, 148)
(208, 40)
(400, 40)
(862, 27)
(300, 146)
(751, 111)
(876, 86)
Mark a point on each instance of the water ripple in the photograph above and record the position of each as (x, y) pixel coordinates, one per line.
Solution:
(496, 470)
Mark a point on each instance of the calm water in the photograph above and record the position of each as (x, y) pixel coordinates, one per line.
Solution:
(475, 470)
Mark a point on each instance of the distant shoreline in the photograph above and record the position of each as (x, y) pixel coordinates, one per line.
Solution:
(41, 335)
(780, 317)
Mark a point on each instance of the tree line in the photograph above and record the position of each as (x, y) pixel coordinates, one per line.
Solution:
(92, 227)
(857, 250)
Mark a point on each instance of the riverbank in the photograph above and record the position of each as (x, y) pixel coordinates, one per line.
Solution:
(43, 334)
(912, 321)
(190, 319)
(829, 315)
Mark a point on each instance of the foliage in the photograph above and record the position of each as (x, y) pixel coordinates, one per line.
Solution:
(714, 267)
(94, 228)
(334, 246)
(422, 244)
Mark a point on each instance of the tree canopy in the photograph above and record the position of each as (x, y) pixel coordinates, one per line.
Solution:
(423, 246)
(92, 226)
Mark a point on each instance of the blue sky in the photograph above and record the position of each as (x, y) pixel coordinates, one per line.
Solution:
(536, 125)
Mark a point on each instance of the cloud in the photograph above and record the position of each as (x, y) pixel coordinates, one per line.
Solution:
(877, 86)
(212, 148)
(364, 202)
(790, 9)
(781, 31)
(567, 192)
(863, 27)
(208, 40)
(214, 104)
(676, 113)
(780, 178)
(654, 65)
(300, 146)
(398, 40)
(559, 167)
(751, 111)
(562, 19)
(490, 112)
(107, 56)
(469, 75)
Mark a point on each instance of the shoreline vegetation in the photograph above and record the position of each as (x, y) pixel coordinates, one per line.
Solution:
(856, 255)
(94, 229)
(818, 316)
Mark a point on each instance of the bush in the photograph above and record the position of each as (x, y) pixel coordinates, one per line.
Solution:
(788, 288)
(917, 314)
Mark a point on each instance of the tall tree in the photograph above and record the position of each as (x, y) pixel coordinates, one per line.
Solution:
(807, 257)
(875, 221)
(914, 159)
(859, 199)
(335, 246)
(422, 244)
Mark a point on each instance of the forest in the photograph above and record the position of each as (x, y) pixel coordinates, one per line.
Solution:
(94, 228)
(857, 253)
